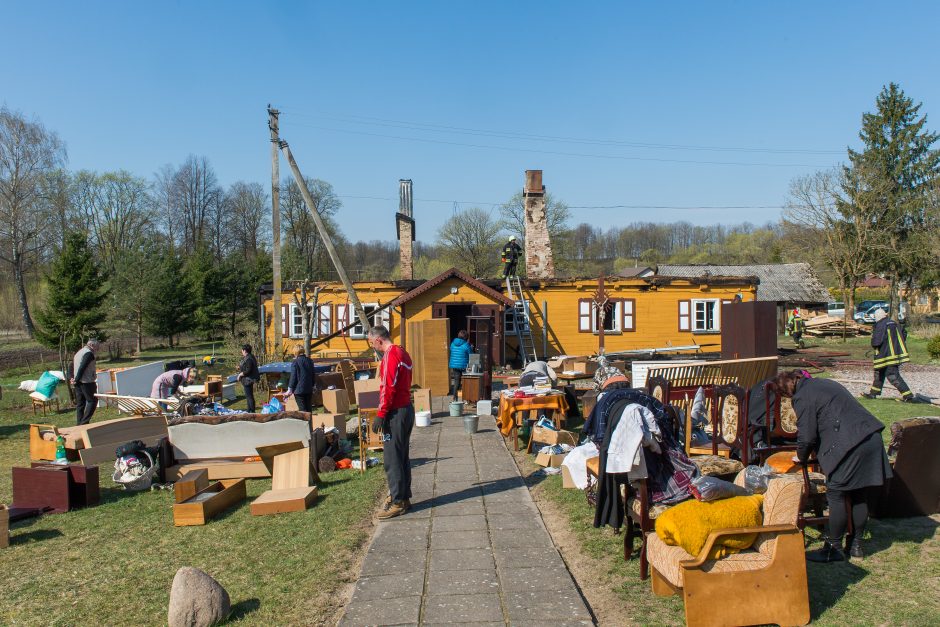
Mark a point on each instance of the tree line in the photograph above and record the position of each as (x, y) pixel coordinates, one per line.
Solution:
(179, 252)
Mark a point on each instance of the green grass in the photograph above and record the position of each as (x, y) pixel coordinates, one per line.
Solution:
(114, 563)
(859, 347)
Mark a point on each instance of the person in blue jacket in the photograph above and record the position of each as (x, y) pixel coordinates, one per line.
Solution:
(460, 350)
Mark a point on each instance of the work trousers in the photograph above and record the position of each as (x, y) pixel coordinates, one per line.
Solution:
(85, 402)
(456, 376)
(398, 425)
(893, 375)
(249, 389)
(510, 268)
(841, 503)
(304, 401)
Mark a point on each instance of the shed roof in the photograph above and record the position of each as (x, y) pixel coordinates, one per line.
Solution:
(454, 273)
(779, 282)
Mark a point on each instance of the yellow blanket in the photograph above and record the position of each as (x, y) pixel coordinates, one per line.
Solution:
(689, 523)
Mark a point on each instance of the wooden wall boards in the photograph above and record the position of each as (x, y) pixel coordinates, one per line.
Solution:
(189, 484)
(209, 502)
(428, 342)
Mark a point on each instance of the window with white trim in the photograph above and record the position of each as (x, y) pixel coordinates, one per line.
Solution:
(380, 318)
(706, 316)
(618, 316)
(324, 323)
(685, 323)
(613, 315)
(296, 321)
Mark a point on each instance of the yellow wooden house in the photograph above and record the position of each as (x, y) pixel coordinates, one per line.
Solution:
(640, 313)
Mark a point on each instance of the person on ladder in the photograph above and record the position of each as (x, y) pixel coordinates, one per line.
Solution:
(511, 253)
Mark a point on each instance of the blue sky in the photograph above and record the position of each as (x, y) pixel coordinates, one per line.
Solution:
(683, 104)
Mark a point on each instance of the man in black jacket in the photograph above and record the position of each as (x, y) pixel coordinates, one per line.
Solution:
(85, 380)
(888, 339)
(248, 375)
(511, 253)
(303, 379)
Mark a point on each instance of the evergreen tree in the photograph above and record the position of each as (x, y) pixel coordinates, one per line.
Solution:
(170, 303)
(75, 310)
(891, 180)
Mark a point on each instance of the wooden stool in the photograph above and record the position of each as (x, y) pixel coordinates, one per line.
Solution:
(38, 404)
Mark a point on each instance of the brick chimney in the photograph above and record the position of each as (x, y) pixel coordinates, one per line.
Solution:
(538, 249)
(405, 223)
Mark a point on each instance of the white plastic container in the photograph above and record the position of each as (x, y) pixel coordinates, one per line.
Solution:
(485, 408)
(423, 419)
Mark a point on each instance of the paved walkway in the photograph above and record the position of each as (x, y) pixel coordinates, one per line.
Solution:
(472, 549)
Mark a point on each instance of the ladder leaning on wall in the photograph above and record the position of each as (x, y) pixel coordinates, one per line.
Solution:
(520, 318)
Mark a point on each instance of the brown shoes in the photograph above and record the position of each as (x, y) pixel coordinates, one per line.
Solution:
(393, 509)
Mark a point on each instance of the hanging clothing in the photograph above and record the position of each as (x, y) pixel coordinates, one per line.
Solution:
(636, 428)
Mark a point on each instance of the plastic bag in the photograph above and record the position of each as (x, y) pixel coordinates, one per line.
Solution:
(756, 478)
(713, 488)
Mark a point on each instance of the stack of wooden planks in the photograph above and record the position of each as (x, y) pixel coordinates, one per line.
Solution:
(822, 326)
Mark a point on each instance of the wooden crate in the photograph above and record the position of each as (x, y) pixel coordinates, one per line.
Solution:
(283, 501)
(189, 484)
(209, 502)
(336, 401)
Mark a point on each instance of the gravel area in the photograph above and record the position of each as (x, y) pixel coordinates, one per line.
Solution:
(923, 381)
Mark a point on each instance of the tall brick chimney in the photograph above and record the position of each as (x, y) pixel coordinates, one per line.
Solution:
(538, 249)
(405, 223)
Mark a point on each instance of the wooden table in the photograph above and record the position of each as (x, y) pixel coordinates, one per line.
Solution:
(509, 408)
(573, 377)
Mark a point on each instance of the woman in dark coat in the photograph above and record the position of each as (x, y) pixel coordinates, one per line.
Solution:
(846, 439)
(248, 375)
(302, 380)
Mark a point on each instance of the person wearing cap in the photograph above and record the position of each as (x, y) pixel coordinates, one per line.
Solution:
(85, 380)
(511, 252)
(888, 340)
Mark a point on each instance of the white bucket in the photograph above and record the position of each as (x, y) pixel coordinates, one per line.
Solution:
(423, 418)
(484, 408)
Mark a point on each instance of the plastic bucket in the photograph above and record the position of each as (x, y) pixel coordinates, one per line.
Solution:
(456, 408)
(471, 423)
(423, 419)
(484, 408)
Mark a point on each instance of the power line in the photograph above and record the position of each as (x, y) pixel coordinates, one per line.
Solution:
(457, 203)
(562, 153)
(356, 119)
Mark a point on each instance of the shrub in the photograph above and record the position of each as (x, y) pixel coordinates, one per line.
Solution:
(933, 347)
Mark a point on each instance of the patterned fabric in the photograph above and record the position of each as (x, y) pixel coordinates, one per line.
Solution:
(665, 559)
(633, 504)
(787, 415)
(781, 507)
(716, 465)
(730, 412)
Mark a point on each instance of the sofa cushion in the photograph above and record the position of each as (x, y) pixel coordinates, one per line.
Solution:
(689, 524)
(716, 465)
(665, 559)
(781, 507)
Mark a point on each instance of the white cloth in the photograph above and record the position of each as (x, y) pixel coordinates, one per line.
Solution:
(575, 462)
(637, 427)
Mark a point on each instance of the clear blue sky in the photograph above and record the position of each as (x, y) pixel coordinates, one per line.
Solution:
(373, 92)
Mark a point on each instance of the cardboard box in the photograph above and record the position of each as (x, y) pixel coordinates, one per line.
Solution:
(326, 380)
(366, 385)
(549, 436)
(367, 400)
(587, 367)
(336, 401)
(550, 461)
(566, 481)
(422, 399)
(328, 421)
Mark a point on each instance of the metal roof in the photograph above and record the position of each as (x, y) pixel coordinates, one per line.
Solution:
(779, 282)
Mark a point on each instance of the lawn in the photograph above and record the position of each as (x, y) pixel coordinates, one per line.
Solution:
(114, 563)
(859, 348)
(897, 583)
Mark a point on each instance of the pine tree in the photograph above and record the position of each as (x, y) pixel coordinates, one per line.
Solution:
(170, 302)
(75, 310)
(891, 180)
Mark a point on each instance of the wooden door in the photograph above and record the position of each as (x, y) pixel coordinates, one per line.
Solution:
(495, 314)
(481, 337)
(428, 349)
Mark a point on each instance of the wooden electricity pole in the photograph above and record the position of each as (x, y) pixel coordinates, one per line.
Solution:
(312, 207)
(276, 230)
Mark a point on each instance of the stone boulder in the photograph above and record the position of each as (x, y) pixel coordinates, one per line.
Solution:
(196, 599)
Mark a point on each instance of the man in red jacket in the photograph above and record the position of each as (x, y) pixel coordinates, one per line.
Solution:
(395, 418)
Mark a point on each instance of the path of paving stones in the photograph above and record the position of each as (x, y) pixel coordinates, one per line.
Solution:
(472, 549)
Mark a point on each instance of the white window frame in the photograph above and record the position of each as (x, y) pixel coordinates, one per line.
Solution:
(296, 324)
(357, 332)
(699, 319)
(616, 317)
(323, 325)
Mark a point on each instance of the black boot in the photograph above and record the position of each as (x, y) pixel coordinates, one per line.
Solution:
(853, 546)
(830, 552)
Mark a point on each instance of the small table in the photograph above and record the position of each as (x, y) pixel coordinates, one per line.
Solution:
(510, 407)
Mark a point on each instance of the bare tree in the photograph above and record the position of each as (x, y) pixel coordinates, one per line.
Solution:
(302, 238)
(28, 154)
(512, 216)
(248, 217)
(470, 240)
(196, 198)
(115, 209)
(308, 304)
(163, 199)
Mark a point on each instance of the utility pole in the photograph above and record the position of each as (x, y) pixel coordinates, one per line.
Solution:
(312, 207)
(276, 229)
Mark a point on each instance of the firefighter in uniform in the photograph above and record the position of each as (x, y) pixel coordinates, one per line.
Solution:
(888, 339)
(511, 252)
(797, 327)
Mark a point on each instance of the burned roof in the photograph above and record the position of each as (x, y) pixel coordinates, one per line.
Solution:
(779, 282)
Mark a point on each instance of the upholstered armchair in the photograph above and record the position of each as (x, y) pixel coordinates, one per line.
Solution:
(763, 584)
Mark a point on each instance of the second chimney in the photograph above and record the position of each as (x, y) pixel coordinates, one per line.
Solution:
(405, 225)
(538, 247)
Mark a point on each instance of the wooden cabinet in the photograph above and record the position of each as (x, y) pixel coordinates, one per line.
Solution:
(472, 389)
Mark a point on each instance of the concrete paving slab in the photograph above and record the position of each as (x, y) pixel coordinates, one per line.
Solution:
(463, 608)
(385, 563)
(458, 508)
(535, 580)
(446, 582)
(478, 539)
(388, 586)
(393, 611)
(550, 606)
(461, 559)
(469, 522)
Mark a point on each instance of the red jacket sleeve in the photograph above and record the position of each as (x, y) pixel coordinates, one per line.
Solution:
(394, 381)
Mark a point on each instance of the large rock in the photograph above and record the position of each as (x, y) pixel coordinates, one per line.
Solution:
(196, 599)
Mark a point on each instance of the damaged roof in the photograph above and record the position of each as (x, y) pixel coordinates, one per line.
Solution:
(779, 282)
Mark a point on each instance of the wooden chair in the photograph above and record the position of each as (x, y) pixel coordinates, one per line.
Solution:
(730, 431)
(764, 584)
(40, 405)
